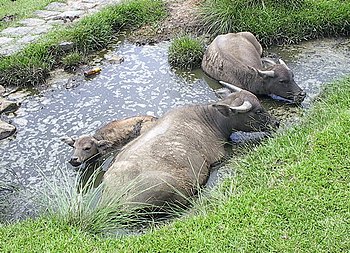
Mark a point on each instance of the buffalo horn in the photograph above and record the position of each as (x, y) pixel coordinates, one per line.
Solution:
(245, 107)
(230, 86)
(268, 60)
(283, 63)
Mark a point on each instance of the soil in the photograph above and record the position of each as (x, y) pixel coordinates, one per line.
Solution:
(182, 18)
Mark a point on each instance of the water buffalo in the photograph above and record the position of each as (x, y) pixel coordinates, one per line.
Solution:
(112, 136)
(236, 58)
(166, 164)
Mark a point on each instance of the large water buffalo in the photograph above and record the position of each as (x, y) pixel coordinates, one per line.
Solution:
(112, 136)
(166, 164)
(236, 58)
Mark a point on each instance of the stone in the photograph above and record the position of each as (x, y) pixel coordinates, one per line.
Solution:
(5, 40)
(16, 31)
(19, 95)
(47, 14)
(11, 49)
(41, 29)
(66, 46)
(2, 90)
(28, 39)
(8, 106)
(55, 6)
(71, 15)
(32, 22)
(6, 130)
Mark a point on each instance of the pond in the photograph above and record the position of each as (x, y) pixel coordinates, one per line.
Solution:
(143, 83)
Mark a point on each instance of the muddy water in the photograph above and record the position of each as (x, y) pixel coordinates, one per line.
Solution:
(142, 84)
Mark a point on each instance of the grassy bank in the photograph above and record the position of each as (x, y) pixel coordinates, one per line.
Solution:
(32, 65)
(274, 21)
(290, 195)
(12, 11)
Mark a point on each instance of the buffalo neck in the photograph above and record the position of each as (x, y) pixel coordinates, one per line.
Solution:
(220, 125)
(257, 86)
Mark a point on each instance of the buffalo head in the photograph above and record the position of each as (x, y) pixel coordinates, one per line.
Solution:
(278, 80)
(85, 148)
(246, 112)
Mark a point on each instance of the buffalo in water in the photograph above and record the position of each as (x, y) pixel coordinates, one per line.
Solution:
(166, 164)
(236, 58)
(112, 136)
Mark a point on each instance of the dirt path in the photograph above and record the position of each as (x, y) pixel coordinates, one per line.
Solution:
(183, 18)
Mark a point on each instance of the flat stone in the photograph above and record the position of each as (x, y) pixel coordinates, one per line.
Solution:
(41, 29)
(16, 31)
(8, 106)
(28, 39)
(11, 49)
(32, 22)
(55, 6)
(19, 95)
(55, 22)
(5, 40)
(84, 6)
(6, 130)
(46, 14)
(70, 15)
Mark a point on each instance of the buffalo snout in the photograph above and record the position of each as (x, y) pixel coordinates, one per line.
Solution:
(74, 161)
(299, 97)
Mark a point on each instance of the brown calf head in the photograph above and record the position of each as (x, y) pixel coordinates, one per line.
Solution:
(85, 148)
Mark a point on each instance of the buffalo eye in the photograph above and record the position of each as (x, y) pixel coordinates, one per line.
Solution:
(86, 148)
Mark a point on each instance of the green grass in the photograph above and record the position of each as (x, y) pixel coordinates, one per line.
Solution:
(186, 52)
(31, 66)
(277, 23)
(290, 194)
(20, 9)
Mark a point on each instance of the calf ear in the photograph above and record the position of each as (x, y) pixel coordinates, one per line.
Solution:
(68, 140)
(103, 146)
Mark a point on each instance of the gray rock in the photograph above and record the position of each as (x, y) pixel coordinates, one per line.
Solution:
(5, 40)
(28, 39)
(66, 46)
(55, 6)
(32, 22)
(8, 106)
(71, 15)
(2, 90)
(83, 6)
(16, 31)
(11, 49)
(41, 29)
(19, 95)
(55, 22)
(46, 14)
(6, 130)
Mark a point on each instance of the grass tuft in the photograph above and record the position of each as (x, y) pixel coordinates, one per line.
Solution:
(276, 22)
(186, 52)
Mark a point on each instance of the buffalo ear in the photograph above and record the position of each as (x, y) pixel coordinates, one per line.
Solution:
(266, 73)
(223, 109)
(103, 146)
(68, 140)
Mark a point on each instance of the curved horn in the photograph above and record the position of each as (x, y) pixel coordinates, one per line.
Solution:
(245, 107)
(231, 86)
(269, 73)
(268, 60)
(282, 63)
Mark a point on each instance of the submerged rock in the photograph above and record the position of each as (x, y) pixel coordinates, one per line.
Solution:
(7, 105)
(6, 130)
